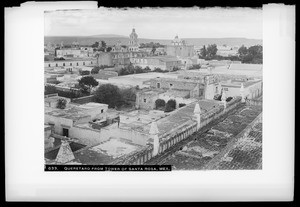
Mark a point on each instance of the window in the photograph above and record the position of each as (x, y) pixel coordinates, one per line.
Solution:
(77, 64)
(64, 64)
(145, 100)
(171, 84)
(70, 64)
(158, 85)
(102, 110)
(91, 62)
(49, 65)
(56, 65)
(225, 89)
(83, 63)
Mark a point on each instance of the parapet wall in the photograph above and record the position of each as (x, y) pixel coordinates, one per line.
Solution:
(83, 100)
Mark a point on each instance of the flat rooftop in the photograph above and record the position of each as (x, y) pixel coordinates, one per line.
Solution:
(71, 113)
(147, 75)
(92, 105)
(106, 152)
(53, 99)
(223, 70)
(238, 84)
(244, 66)
(140, 118)
(180, 116)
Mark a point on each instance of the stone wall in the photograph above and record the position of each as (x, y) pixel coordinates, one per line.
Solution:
(86, 136)
(83, 100)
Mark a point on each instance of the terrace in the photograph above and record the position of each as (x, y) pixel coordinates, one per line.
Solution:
(106, 152)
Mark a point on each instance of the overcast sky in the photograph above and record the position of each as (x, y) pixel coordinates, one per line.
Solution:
(157, 23)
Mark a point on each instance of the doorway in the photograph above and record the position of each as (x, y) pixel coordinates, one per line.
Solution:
(65, 132)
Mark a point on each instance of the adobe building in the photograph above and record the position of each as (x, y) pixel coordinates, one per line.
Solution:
(78, 122)
(183, 91)
(162, 62)
(70, 63)
(251, 88)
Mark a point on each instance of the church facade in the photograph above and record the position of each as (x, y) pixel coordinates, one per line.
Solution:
(120, 55)
(179, 48)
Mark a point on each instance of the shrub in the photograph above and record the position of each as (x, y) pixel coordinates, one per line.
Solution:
(61, 103)
(218, 97)
(228, 99)
(170, 106)
(181, 105)
(159, 103)
(84, 72)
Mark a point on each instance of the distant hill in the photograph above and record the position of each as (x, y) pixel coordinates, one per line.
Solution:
(106, 36)
(112, 39)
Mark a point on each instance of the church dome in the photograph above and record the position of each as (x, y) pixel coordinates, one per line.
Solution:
(177, 41)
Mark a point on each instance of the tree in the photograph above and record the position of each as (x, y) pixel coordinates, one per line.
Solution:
(196, 66)
(109, 94)
(86, 83)
(95, 70)
(108, 49)
(103, 44)
(159, 70)
(147, 69)
(170, 106)
(203, 52)
(252, 54)
(95, 45)
(228, 99)
(176, 68)
(153, 50)
(128, 96)
(84, 72)
(61, 103)
(212, 50)
(160, 103)
(242, 51)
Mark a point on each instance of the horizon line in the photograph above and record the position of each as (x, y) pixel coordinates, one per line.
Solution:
(123, 36)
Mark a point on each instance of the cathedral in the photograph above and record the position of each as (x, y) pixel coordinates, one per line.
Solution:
(120, 55)
(179, 48)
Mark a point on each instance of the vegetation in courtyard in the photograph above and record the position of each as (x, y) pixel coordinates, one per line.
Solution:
(61, 103)
(86, 83)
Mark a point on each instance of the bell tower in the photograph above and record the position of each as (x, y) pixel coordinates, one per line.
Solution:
(133, 41)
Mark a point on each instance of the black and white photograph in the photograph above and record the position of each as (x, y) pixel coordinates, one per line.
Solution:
(149, 103)
(154, 87)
